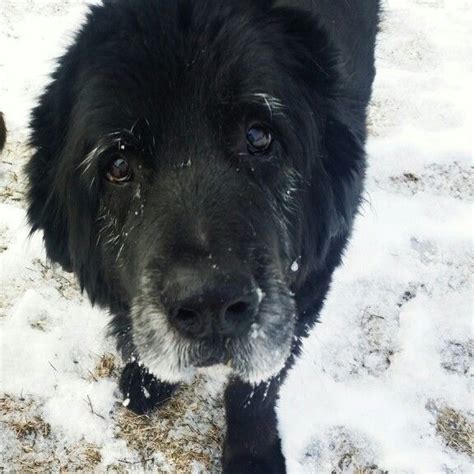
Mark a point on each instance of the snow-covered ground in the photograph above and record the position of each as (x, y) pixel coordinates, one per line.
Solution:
(385, 379)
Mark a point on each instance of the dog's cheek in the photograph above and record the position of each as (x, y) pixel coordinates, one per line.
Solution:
(112, 243)
(118, 215)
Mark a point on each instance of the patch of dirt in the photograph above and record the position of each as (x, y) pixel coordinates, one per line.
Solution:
(455, 180)
(37, 449)
(456, 356)
(378, 340)
(188, 431)
(12, 181)
(410, 293)
(345, 454)
(456, 430)
(107, 367)
(4, 237)
(20, 416)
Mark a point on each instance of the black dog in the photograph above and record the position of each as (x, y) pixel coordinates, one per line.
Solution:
(198, 165)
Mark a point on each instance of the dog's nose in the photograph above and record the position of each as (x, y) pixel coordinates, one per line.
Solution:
(202, 302)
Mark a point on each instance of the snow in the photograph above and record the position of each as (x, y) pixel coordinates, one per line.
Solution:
(395, 343)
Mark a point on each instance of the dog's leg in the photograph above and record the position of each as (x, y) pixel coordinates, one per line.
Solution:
(252, 443)
(141, 390)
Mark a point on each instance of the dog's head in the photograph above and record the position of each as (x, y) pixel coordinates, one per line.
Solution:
(192, 167)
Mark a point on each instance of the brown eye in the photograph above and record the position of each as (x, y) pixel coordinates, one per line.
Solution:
(259, 139)
(119, 171)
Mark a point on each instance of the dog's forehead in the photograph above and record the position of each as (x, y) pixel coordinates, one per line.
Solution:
(184, 73)
(167, 55)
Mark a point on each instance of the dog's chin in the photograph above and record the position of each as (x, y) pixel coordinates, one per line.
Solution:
(233, 368)
(251, 362)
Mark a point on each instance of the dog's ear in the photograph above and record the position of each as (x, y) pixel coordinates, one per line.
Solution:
(333, 119)
(46, 198)
(332, 201)
(345, 163)
(333, 193)
(334, 146)
(58, 203)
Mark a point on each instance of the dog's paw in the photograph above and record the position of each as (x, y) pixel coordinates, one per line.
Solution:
(141, 390)
(257, 459)
(254, 465)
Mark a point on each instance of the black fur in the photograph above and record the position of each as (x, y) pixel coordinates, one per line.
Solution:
(3, 132)
(172, 86)
(144, 393)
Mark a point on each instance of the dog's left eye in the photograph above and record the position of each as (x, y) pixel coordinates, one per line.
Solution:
(119, 171)
(259, 139)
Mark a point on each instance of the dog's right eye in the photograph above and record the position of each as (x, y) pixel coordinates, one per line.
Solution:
(119, 171)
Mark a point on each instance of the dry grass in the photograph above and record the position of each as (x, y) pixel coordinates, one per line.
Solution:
(107, 367)
(38, 450)
(349, 462)
(18, 415)
(85, 455)
(456, 430)
(188, 429)
(80, 457)
(369, 470)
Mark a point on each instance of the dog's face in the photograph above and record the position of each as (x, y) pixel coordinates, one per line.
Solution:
(186, 178)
